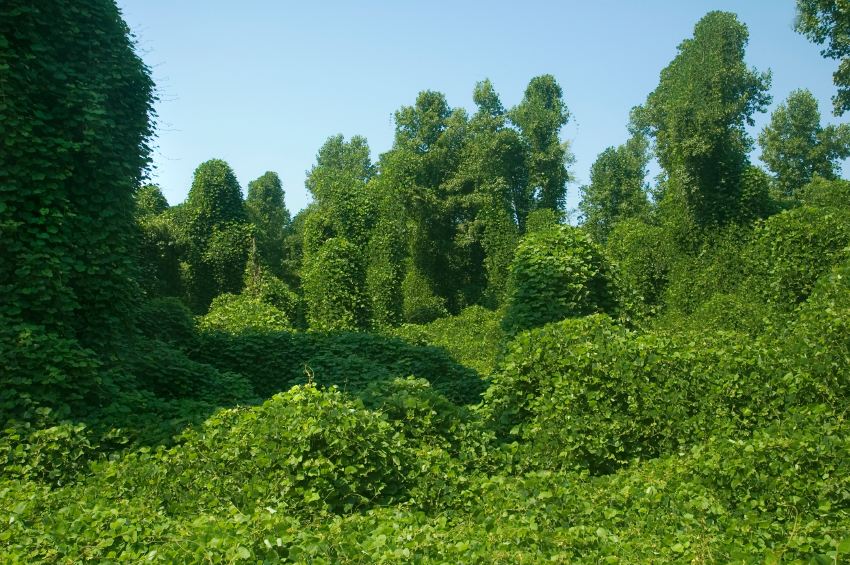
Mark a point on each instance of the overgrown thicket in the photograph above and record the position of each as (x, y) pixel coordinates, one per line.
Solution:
(427, 364)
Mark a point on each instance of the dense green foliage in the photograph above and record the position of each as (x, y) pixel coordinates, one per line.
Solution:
(68, 170)
(796, 147)
(617, 190)
(827, 21)
(697, 116)
(666, 383)
(557, 273)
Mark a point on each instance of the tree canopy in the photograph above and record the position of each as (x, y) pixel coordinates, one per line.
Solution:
(698, 113)
(795, 147)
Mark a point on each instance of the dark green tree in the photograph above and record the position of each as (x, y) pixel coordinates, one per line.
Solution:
(795, 146)
(617, 189)
(420, 173)
(267, 211)
(76, 121)
(828, 21)
(698, 114)
(217, 235)
(150, 201)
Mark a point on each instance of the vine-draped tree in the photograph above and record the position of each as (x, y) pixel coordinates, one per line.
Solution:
(336, 232)
(795, 146)
(467, 186)
(217, 234)
(617, 189)
(267, 211)
(540, 117)
(698, 114)
(76, 121)
(157, 251)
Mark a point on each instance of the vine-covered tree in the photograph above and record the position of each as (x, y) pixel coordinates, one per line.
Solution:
(540, 117)
(217, 233)
(334, 284)
(267, 212)
(341, 206)
(76, 121)
(795, 146)
(425, 157)
(158, 250)
(617, 189)
(557, 273)
(698, 114)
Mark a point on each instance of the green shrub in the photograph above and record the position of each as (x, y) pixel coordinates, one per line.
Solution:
(167, 320)
(47, 378)
(419, 303)
(56, 455)
(831, 194)
(556, 273)
(262, 285)
(474, 337)
(732, 312)
(169, 374)
(585, 393)
(242, 313)
(722, 265)
(792, 249)
(301, 451)
(639, 252)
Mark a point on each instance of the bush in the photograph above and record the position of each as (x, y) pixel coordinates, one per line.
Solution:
(55, 456)
(731, 312)
(419, 303)
(474, 337)
(48, 378)
(585, 393)
(166, 320)
(556, 273)
(722, 265)
(638, 250)
(169, 374)
(792, 249)
(242, 313)
(831, 194)
(317, 451)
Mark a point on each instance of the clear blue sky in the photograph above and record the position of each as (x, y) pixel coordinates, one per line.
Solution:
(263, 83)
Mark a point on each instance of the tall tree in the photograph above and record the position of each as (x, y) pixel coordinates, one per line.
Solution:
(419, 169)
(795, 146)
(825, 21)
(76, 120)
(698, 114)
(217, 234)
(540, 117)
(617, 188)
(341, 206)
(267, 211)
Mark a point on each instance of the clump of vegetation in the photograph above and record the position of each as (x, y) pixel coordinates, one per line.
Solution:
(556, 274)
(665, 383)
